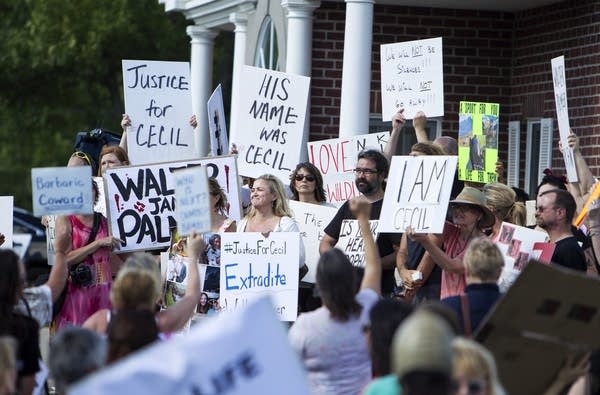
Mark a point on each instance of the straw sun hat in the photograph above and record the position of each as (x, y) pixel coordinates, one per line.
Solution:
(475, 197)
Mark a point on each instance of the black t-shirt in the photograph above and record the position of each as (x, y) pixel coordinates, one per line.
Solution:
(385, 241)
(26, 331)
(568, 253)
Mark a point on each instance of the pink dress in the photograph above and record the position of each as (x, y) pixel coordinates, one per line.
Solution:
(81, 302)
(453, 283)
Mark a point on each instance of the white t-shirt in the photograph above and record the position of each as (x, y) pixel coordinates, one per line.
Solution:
(39, 300)
(335, 354)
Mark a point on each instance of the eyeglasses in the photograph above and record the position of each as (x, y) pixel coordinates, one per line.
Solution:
(307, 177)
(358, 171)
(474, 386)
(82, 155)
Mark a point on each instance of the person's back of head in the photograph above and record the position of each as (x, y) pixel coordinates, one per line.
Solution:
(129, 331)
(428, 148)
(74, 353)
(474, 366)
(502, 200)
(11, 281)
(135, 289)
(336, 283)
(483, 260)
(8, 365)
(384, 319)
(449, 144)
(422, 354)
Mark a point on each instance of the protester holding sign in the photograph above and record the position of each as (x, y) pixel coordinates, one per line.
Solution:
(329, 339)
(470, 217)
(270, 211)
(87, 246)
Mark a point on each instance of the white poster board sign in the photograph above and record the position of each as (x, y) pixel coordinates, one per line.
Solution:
(253, 265)
(312, 220)
(417, 193)
(351, 241)
(6, 220)
(62, 190)
(272, 108)
(336, 160)
(412, 77)
(217, 126)
(140, 200)
(50, 237)
(159, 103)
(516, 245)
(100, 204)
(192, 211)
(243, 353)
(562, 114)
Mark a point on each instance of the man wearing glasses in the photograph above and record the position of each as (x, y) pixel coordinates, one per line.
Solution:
(370, 172)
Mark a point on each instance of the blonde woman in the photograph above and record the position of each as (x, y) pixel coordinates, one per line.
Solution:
(474, 369)
(502, 202)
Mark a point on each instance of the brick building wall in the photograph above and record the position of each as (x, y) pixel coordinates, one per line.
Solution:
(489, 56)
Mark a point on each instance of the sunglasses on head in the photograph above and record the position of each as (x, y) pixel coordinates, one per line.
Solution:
(82, 155)
(308, 177)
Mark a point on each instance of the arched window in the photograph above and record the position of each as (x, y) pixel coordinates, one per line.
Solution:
(266, 55)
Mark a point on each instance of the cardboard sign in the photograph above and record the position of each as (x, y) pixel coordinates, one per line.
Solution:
(312, 220)
(254, 265)
(548, 313)
(412, 77)
(351, 241)
(562, 114)
(243, 353)
(272, 107)
(516, 243)
(417, 194)
(141, 199)
(6, 220)
(217, 126)
(336, 160)
(478, 141)
(192, 211)
(62, 190)
(159, 103)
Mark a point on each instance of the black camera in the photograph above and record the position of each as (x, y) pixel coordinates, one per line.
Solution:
(81, 275)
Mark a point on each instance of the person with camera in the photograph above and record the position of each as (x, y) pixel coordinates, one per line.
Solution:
(87, 248)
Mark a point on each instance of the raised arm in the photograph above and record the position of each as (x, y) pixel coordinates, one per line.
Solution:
(584, 174)
(125, 124)
(175, 317)
(420, 124)
(58, 275)
(398, 121)
(361, 209)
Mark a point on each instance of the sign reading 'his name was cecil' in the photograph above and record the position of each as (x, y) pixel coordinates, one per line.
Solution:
(412, 77)
(562, 114)
(336, 159)
(417, 194)
(272, 108)
(351, 241)
(216, 124)
(243, 353)
(253, 265)
(312, 220)
(192, 210)
(159, 104)
(140, 200)
(62, 190)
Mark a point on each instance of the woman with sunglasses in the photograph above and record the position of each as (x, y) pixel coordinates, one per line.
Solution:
(306, 184)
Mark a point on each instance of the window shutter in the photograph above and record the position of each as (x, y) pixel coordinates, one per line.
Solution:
(546, 125)
(513, 165)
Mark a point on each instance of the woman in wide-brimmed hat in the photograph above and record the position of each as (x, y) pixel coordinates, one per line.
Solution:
(470, 217)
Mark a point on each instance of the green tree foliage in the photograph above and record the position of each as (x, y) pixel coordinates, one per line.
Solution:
(60, 65)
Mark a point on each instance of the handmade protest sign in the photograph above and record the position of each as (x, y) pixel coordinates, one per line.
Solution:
(272, 107)
(141, 199)
(336, 160)
(312, 220)
(216, 124)
(562, 114)
(242, 353)
(6, 220)
(417, 194)
(192, 211)
(412, 78)
(159, 104)
(516, 243)
(100, 203)
(255, 265)
(62, 190)
(478, 141)
(351, 241)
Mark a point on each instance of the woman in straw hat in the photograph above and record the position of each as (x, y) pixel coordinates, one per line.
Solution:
(470, 217)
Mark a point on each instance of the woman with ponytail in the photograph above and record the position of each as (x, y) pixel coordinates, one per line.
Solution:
(502, 202)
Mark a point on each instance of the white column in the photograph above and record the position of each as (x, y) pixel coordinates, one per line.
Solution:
(240, 20)
(356, 74)
(299, 50)
(202, 42)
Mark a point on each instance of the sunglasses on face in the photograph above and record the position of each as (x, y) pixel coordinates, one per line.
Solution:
(308, 177)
